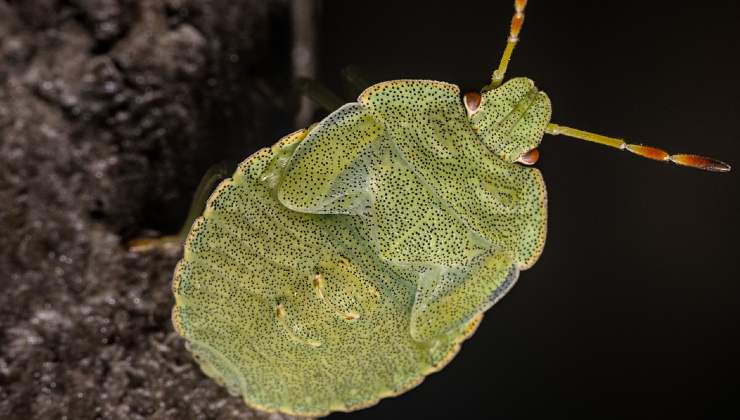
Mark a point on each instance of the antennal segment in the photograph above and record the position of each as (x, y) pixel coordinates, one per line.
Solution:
(516, 26)
(692, 161)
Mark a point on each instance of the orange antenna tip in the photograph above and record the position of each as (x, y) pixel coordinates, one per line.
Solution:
(700, 162)
(519, 5)
(648, 152)
(516, 25)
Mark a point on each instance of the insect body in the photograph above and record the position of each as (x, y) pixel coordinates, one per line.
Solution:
(350, 260)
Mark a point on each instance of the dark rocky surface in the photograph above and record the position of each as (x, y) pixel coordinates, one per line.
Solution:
(109, 112)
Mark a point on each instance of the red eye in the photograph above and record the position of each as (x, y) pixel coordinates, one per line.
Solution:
(472, 102)
(530, 157)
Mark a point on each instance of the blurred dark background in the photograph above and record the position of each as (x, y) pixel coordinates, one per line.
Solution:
(632, 310)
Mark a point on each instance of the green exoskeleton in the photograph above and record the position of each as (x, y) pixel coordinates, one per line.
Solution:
(348, 261)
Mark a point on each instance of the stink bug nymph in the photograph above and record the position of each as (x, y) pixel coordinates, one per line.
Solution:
(349, 260)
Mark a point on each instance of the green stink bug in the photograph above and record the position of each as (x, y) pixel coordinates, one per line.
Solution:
(348, 261)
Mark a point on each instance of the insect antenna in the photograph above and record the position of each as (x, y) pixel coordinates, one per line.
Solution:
(690, 160)
(211, 178)
(516, 26)
(354, 81)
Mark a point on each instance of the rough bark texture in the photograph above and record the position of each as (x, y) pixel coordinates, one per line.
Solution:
(109, 111)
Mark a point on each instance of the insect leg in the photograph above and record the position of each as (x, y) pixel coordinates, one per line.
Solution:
(690, 160)
(212, 177)
(516, 26)
(319, 94)
(354, 81)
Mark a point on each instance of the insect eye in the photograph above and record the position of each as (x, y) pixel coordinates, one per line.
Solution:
(530, 157)
(472, 102)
